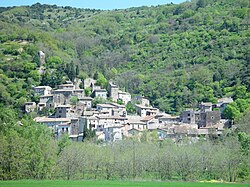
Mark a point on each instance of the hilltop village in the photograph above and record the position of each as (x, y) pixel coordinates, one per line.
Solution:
(73, 112)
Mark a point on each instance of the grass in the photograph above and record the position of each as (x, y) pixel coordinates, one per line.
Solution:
(33, 183)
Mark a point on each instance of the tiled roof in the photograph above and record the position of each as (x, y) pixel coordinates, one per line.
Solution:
(147, 118)
(45, 119)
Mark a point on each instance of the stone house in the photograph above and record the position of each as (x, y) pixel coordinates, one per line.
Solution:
(87, 101)
(40, 106)
(151, 122)
(75, 127)
(62, 111)
(168, 119)
(188, 116)
(101, 93)
(79, 93)
(52, 122)
(134, 122)
(109, 121)
(146, 111)
(119, 110)
(204, 107)
(142, 100)
(105, 109)
(124, 96)
(48, 100)
(70, 86)
(42, 90)
(92, 122)
(62, 97)
(111, 109)
(209, 119)
(29, 107)
(63, 128)
(114, 133)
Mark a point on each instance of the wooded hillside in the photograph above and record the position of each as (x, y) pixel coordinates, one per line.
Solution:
(176, 55)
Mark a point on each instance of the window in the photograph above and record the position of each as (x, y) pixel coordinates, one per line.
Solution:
(212, 117)
(60, 111)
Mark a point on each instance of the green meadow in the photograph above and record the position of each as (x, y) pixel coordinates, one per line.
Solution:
(31, 183)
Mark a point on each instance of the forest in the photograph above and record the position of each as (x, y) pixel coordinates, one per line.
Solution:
(177, 55)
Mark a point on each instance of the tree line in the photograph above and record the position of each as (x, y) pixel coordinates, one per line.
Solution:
(29, 151)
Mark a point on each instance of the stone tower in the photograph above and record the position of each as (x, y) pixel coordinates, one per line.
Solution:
(41, 58)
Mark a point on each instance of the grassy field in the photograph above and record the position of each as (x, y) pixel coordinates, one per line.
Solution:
(31, 183)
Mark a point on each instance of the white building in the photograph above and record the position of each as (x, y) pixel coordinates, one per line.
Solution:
(109, 121)
(124, 96)
(102, 93)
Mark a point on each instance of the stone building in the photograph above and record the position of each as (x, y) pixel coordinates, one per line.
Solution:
(62, 97)
(209, 118)
(102, 93)
(143, 111)
(48, 100)
(87, 101)
(62, 111)
(142, 100)
(113, 90)
(124, 96)
(42, 90)
(204, 107)
(29, 107)
(188, 116)
(70, 86)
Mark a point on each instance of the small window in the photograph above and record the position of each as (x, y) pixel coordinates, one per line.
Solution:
(212, 117)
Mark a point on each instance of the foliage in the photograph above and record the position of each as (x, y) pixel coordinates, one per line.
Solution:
(165, 160)
(130, 108)
(98, 100)
(87, 91)
(101, 80)
(176, 55)
(27, 148)
(73, 100)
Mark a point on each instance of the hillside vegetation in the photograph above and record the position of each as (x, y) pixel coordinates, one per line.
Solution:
(176, 55)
